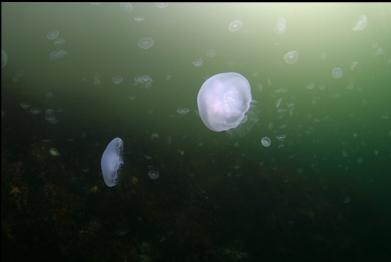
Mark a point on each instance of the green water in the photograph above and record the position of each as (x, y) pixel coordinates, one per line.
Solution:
(320, 191)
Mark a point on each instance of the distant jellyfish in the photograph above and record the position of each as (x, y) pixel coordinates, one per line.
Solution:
(198, 62)
(183, 110)
(153, 174)
(266, 141)
(336, 72)
(117, 79)
(291, 57)
(235, 25)
(223, 101)
(111, 162)
(211, 53)
(161, 5)
(361, 23)
(57, 54)
(145, 42)
(4, 58)
(53, 35)
(59, 41)
(144, 80)
(281, 25)
(138, 19)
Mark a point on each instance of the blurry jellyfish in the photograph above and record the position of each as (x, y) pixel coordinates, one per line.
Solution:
(35, 111)
(111, 162)
(153, 174)
(291, 57)
(211, 53)
(266, 141)
(235, 25)
(281, 137)
(50, 116)
(161, 5)
(145, 42)
(353, 65)
(53, 35)
(117, 79)
(183, 110)
(57, 54)
(25, 106)
(54, 152)
(281, 25)
(138, 19)
(198, 62)
(223, 101)
(336, 72)
(144, 80)
(361, 23)
(59, 41)
(4, 58)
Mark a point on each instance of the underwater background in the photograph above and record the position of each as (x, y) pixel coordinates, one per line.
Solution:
(305, 177)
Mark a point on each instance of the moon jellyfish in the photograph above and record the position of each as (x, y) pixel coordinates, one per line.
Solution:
(53, 35)
(266, 141)
(54, 152)
(291, 57)
(198, 62)
(183, 110)
(144, 80)
(145, 42)
(361, 23)
(281, 25)
(336, 72)
(161, 5)
(59, 41)
(117, 79)
(153, 174)
(57, 54)
(211, 53)
(111, 162)
(235, 25)
(223, 101)
(4, 58)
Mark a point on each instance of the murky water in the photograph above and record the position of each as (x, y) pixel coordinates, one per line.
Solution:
(305, 175)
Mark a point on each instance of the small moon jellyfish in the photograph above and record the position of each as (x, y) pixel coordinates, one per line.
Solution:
(291, 57)
(111, 162)
(281, 25)
(4, 58)
(223, 101)
(235, 25)
(117, 79)
(57, 54)
(153, 174)
(198, 62)
(336, 72)
(145, 42)
(266, 141)
(361, 23)
(53, 35)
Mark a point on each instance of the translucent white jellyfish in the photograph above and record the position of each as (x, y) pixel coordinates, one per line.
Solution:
(50, 116)
(144, 80)
(111, 162)
(336, 72)
(57, 54)
(210, 53)
(4, 58)
(361, 23)
(153, 174)
(291, 57)
(59, 41)
(235, 25)
(25, 106)
(281, 25)
(117, 79)
(54, 152)
(161, 5)
(183, 110)
(198, 62)
(53, 35)
(266, 141)
(145, 42)
(138, 19)
(223, 101)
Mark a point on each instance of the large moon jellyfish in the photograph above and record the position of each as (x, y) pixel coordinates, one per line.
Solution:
(4, 58)
(223, 101)
(111, 162)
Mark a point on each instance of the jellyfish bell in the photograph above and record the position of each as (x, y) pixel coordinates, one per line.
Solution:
(111, 162)
(223, 101)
